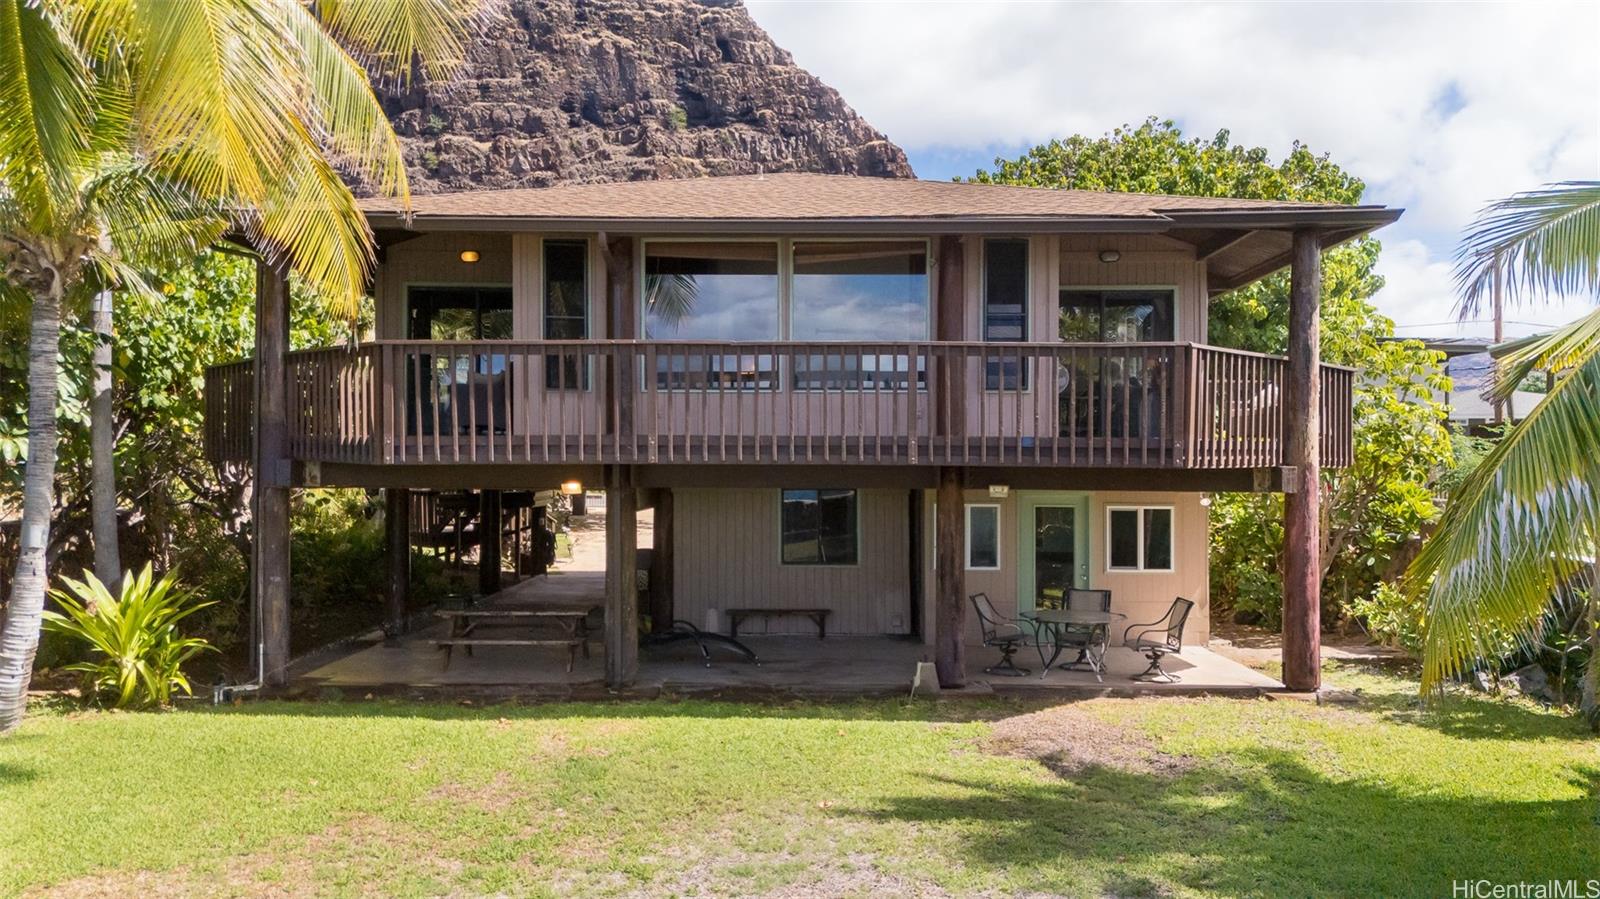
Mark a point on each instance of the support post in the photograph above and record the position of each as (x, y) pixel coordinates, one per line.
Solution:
(1302, 569)
(950, 414)
(489, 529)
(621, 324)
(661, 564)
(397, 550)
(622, 590)
(269, 568)
(950, 610)
(915, 563)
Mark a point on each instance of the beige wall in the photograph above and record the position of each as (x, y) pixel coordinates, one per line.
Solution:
(1141, 596)
(726, 551)
(436, 259)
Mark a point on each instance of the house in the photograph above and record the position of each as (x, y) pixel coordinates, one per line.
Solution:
(872, 394)
(1469, 363)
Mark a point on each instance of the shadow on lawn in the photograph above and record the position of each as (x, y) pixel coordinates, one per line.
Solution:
(1269, 825)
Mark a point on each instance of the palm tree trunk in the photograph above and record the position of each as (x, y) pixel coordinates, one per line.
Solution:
(19, 634)
(102, 450)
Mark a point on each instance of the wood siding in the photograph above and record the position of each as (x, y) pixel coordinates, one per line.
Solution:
(1142, 596)
(436, 259)
(727, 548)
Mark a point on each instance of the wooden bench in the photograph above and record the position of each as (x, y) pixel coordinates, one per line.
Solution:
(818, 616)
(464, 623)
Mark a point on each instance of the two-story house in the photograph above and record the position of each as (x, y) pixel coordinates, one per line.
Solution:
(877, 395)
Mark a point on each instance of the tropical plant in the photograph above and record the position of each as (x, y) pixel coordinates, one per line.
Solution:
(136, 131)
(136, 652)
(1522, 528)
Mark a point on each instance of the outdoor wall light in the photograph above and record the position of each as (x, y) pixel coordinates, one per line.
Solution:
(469, 255)
(572, 488)
(1109, 255)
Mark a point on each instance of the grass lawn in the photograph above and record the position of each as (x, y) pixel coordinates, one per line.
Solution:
(1104, 797)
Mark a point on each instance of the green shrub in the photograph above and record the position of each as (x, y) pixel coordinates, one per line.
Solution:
(1391, 617)
(136, 654)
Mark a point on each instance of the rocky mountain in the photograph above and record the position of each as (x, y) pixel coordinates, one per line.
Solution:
(608, 90)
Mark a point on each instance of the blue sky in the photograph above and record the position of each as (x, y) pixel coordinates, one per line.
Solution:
(1439, 107)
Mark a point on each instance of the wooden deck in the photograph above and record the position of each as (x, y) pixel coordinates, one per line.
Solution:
(1136, 405)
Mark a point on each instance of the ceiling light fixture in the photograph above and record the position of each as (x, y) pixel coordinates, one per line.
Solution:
(1109, 255)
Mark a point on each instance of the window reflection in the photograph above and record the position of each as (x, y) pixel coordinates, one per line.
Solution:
(873, 291)
(711, 290)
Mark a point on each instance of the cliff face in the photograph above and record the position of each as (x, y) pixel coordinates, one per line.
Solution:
(613, 90)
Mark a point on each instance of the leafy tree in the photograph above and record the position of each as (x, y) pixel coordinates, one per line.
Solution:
(1371, 510)
(1521, 532)
(134, 132)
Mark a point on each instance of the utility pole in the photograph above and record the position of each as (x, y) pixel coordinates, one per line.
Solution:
(1498, 295)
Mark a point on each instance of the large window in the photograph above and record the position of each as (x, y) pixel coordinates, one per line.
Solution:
(711, 290)
(983, 537)
(1005, 306)
(1139, 538)
(566, 310)
(1116, 316)
(870, 292)
(819, 527)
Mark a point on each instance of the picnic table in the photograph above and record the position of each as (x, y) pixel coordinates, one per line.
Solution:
(467, 624)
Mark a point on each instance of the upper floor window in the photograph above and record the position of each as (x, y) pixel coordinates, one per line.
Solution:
(459, 312)
(871, 291)
(711, 290)
(566, 309)
(1005, 308)
(1119, 315)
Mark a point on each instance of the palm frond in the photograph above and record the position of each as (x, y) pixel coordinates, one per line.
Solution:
(346, 116)
(45, 111)
(149, 220)
(671, 297)
(1519, 528)
(1547, 241)
(1558, 351)
(389, 36)
(311, 218)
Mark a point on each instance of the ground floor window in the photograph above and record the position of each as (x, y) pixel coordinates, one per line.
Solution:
(820, 527)
(1139, 538)
(983, 537)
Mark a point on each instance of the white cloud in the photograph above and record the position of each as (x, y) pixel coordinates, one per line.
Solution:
(1440, 107)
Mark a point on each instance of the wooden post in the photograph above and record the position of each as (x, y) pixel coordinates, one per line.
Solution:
(914, 561)
(950, 609)
(950, 416)
(622, 320)
(489, 528)
(397, 550)
(269, 569)
(1302, 570)
(661, 564)
(622, 588)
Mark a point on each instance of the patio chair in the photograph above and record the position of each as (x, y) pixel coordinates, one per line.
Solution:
(1083, 636)
(1000, 632)
(1158, 639)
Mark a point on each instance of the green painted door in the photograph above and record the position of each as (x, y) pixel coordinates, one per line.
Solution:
(1053, 540)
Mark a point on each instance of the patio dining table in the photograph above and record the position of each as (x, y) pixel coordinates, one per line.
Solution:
(1054, 621)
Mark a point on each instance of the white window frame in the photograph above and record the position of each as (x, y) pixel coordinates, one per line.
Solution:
(967, 559)
(1140, 509)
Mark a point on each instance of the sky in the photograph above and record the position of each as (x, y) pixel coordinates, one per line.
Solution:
(1438, 107)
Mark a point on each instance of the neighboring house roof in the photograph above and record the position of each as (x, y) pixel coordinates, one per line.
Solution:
(1241, 240)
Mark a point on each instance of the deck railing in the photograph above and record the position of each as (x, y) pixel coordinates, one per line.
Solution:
(1142, 405)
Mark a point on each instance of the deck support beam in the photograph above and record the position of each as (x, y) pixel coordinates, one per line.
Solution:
(950, 610)
(661, 563)
(622, 591)
(1302, 569)
(489, 530)
(397, 561)
(269, 502)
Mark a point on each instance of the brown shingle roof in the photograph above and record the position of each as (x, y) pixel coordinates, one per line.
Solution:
(795, 197)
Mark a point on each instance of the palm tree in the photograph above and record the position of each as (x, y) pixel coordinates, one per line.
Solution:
(1522, 529)
(138, 130)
